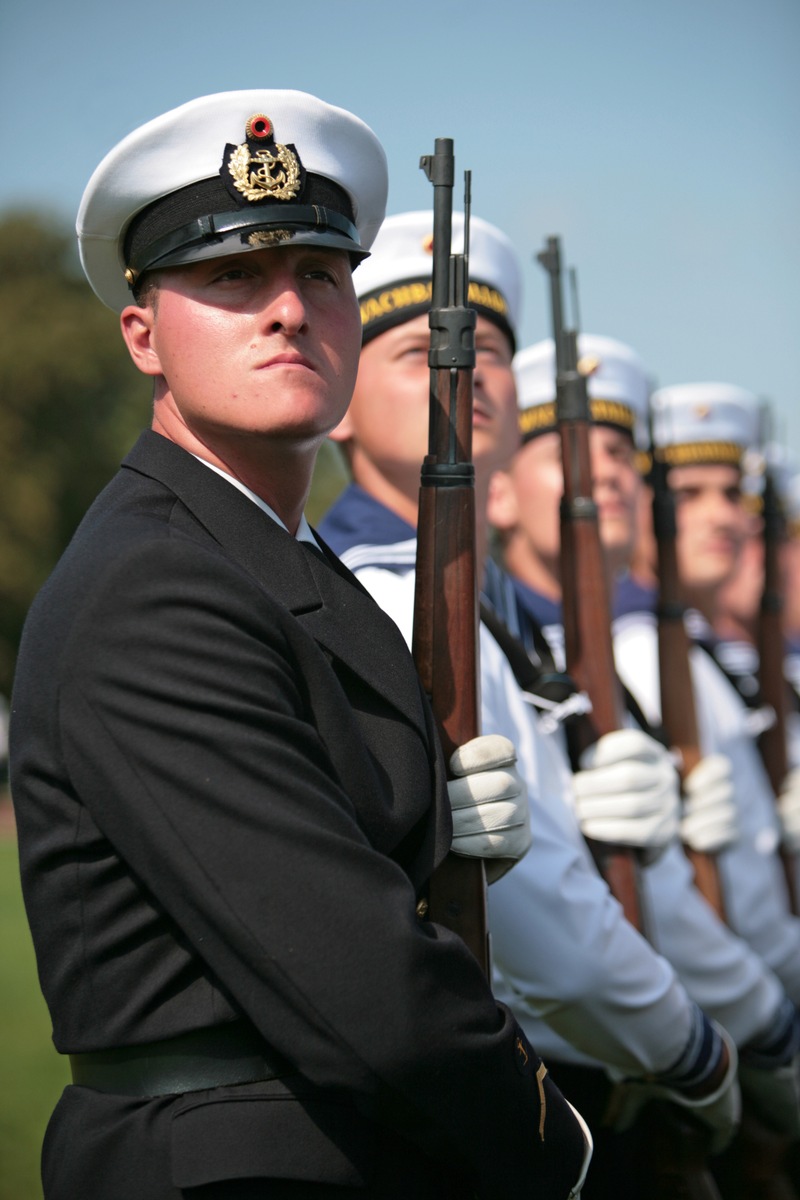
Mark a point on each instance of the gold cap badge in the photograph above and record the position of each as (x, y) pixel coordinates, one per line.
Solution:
(260, 167)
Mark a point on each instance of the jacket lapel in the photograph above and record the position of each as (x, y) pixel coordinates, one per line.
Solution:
(329, 602)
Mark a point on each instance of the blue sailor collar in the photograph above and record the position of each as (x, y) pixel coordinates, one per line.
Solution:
(630, 596)
(544, 611)
(365, 533)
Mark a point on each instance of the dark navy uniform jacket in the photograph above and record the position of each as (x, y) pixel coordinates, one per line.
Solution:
(230, 797)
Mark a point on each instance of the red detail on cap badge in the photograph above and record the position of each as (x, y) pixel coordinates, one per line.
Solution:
(259, 127)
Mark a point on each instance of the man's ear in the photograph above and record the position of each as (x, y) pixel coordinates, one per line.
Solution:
(344, 430)
(137, 330)
(501, 507)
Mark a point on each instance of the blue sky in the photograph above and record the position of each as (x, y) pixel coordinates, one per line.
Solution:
(659, 140)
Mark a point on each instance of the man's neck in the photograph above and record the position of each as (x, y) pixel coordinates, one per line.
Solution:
(399, 501)
(400, 497)
(539, 574)
(731, 628)
(279, 473)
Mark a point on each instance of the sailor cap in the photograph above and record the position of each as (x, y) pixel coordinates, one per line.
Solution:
(784, 473)
(704, 423)
(227, 173)
(616, 382)
(394, 285)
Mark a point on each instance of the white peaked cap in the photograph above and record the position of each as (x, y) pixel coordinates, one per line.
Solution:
(402, 255)
(705, 422)
(186, 146)
(616, 383)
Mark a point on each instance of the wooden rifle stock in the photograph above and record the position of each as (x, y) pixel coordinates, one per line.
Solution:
(585, 600)
(754, 1163)
(445, 640)
(676, 1144)
(678, 713)
(773, 686)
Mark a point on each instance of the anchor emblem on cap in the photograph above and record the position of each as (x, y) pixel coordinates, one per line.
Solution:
(261, 168)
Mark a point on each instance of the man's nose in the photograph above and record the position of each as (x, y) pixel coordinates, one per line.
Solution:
(285, 308)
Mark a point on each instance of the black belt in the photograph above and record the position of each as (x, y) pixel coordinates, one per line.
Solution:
(204, 1058)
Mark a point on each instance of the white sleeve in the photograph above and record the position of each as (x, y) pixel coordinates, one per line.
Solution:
(561, 948)
(754, 889)
(562, 951)
(717, 968)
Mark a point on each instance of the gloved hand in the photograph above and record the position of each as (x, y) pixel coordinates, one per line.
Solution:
(719, 1110)
(709, 821)
(489, 800)
(789, 811)
(627, 792)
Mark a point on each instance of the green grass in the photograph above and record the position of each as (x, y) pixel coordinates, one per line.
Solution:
(31, 1071)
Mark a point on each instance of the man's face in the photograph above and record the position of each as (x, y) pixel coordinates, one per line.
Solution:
(524, 501)
(387, 422)
(616, 487)
(711, 521)
(260, 343)
(536, 480)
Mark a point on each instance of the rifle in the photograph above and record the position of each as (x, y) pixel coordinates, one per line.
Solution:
(445, 637)
(773, 686)
(676, 1145)
(678, 714)
(586, 605)
(753, 1166)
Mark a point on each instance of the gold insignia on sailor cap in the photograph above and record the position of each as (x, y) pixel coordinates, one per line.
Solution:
(616, 383)
(704, 423)
(427, 244)
(262, 168)
(588, 364)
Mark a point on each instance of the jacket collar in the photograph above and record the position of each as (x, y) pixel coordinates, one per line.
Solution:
(327, 599)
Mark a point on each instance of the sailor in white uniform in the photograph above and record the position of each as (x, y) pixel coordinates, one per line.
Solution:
(565, 958)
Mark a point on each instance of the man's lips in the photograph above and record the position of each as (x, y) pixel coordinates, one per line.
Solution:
(481, 413)
(288, 359)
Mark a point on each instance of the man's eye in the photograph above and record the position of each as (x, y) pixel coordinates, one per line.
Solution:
(232, 274)
(324, 274)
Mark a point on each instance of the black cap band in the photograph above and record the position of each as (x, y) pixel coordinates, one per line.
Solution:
(397, 302)
(178, 227)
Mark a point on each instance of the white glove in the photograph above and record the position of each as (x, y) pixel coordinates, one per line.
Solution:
(627, 791)
(720, 1111)
(789, 811)
(489, 800)
(774, 1096)
(709, 821)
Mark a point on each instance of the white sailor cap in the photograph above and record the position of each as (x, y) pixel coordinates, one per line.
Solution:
(704, 423)
(784, 473)
(395, 284)
(230, 172)
(616, 382)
